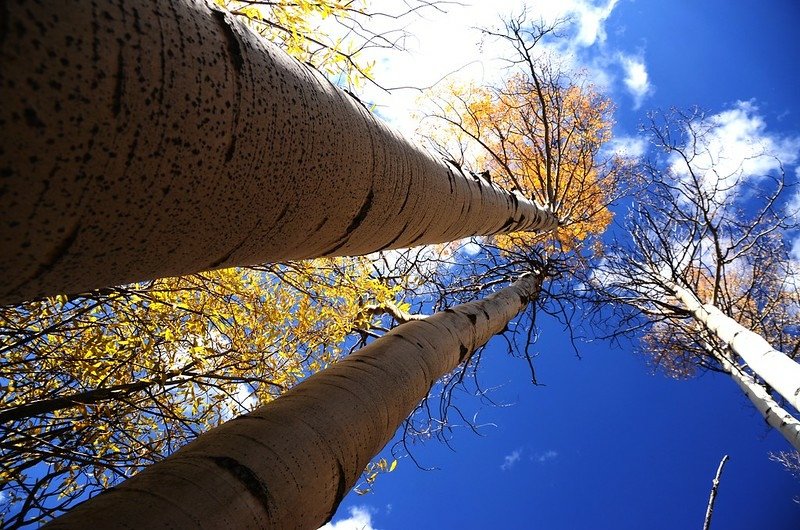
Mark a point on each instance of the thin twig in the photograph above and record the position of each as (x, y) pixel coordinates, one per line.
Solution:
(713, 496)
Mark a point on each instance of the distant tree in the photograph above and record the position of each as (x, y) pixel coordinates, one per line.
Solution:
(541, 132)
(155, 142)
(706, 276)
(544, 132)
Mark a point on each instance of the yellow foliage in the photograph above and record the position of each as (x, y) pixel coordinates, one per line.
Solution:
(304, 30)
(129, 374)
(371, 473)
(543, 140)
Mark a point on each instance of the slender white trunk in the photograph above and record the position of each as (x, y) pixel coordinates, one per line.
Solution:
(775, 415)
(145, 138)
(776, 368)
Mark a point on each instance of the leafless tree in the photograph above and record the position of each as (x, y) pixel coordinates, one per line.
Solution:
(706, 279)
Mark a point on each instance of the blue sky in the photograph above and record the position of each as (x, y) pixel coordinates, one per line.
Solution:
(605, 443)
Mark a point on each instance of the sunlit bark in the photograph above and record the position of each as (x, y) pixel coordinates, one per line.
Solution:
(145, 139)
(290, 463)
(771, 365)
(775, 415)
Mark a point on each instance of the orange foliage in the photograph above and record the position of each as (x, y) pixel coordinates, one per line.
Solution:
(544, 140)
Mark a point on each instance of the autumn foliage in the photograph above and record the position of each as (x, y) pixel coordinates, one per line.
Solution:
(542, 134)
(94, 387)
(319, 33)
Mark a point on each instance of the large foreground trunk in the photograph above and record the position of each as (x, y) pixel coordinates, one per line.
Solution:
(289, 464)
(774, 367)
(148, 138)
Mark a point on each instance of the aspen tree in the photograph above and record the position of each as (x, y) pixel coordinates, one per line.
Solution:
(289, 463)
(141, 140)
(706, 275)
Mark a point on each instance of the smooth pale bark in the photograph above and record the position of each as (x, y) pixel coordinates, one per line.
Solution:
(388, 308)
(289, 463)
(775, 367)
(775, 415)
(713, 495)
(143, 139)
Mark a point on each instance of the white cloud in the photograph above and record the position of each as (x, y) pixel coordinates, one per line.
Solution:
(793, 205)
(472, 248)
(591, 20)
(510, 460)
(586, 17)
(627, 146)
(795, 252)
(443, 42)
(733, 148)
(447, 43)
(360, 519)
(440, 44)
(547, 456)
(793, 211)
(246, 397)
(636, 79)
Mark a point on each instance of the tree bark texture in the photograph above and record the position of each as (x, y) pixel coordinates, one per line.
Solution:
(776, 416)
(773, 413)
(774, 367)
(147, 138)
(289, 463)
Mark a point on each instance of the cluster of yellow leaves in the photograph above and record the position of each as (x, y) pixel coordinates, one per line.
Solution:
(127, 375)
(310, 31)
(543, 140)
(371, 473)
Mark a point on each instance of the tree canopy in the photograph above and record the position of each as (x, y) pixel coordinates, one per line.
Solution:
(96, 386)
(100, 385)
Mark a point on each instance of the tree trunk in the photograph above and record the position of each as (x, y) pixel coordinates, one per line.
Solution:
(289, 463)
(775, 415)
(149, 138)
(771, 365)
